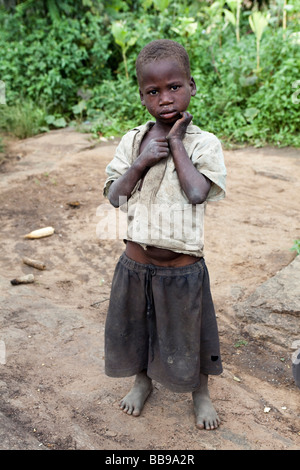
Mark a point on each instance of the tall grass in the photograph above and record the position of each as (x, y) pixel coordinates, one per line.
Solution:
(23, 119)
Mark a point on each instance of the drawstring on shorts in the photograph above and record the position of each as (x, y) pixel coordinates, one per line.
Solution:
(150, 309)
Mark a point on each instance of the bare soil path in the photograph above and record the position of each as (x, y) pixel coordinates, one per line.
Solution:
(54, 394)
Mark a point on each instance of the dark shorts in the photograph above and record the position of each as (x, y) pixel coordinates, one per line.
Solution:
(162, 320)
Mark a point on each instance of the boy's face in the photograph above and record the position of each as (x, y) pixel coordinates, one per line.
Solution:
(166, 90)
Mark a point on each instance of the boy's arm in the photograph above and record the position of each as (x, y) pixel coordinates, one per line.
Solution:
(123, 186)
(195, 185)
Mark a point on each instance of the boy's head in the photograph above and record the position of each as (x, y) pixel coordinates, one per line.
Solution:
(165, 83)
(163, 49)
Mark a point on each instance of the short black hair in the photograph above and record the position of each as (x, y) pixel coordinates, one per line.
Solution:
(163, 49)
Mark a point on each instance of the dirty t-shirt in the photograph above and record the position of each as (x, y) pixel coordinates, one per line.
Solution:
(158, 211)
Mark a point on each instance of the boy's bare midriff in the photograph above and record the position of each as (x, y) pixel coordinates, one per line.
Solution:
(157, 256)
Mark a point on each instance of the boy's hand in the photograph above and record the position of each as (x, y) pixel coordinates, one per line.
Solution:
(179, 128)
(154, 151)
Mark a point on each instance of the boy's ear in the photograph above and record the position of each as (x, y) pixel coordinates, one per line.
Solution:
(193, 87)
(142, 97)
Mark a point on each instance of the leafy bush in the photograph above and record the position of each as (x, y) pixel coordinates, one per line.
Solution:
(51, 63)
(79, 63)
(239, 103)
(115, 106)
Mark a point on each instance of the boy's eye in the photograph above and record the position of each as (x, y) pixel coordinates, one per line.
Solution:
(175, 87)
(152, 92)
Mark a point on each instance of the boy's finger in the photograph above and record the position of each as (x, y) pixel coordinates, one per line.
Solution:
(164, 150)
(164, 154)
(186, 115)
(163, 146)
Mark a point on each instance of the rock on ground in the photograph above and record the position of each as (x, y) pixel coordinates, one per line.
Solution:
(272, 312)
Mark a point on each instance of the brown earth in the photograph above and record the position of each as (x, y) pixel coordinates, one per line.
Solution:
(54, 394)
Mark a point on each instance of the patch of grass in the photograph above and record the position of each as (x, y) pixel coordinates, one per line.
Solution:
(23, 119)
(296, 246)
(241, 342)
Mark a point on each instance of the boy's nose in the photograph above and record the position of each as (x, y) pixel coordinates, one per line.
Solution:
(165, 98)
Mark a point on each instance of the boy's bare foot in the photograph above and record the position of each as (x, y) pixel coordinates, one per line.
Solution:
(206, 416)
(134, 401)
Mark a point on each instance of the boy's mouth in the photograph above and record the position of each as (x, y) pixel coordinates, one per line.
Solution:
(169, 114)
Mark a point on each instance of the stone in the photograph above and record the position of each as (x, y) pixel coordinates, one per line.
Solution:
(272, 311)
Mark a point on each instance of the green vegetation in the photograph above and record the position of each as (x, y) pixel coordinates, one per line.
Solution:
(296, 246)
(65, 62)
(241, 342)
(24, 118)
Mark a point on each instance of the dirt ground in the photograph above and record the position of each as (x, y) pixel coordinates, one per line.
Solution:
(54, 394)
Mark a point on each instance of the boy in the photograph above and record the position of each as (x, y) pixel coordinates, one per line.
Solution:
(161, 322)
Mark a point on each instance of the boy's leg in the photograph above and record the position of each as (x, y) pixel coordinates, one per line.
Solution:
(134, 401)
(206, 416)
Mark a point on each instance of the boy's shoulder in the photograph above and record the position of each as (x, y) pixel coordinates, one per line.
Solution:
(130, 136)
(194, 134)
(193, 129)
(142, 128)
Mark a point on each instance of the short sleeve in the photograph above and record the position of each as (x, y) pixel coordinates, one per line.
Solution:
(208, 158)
(119, 164)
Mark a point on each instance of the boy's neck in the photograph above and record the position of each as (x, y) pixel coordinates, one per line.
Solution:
(161, 128)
